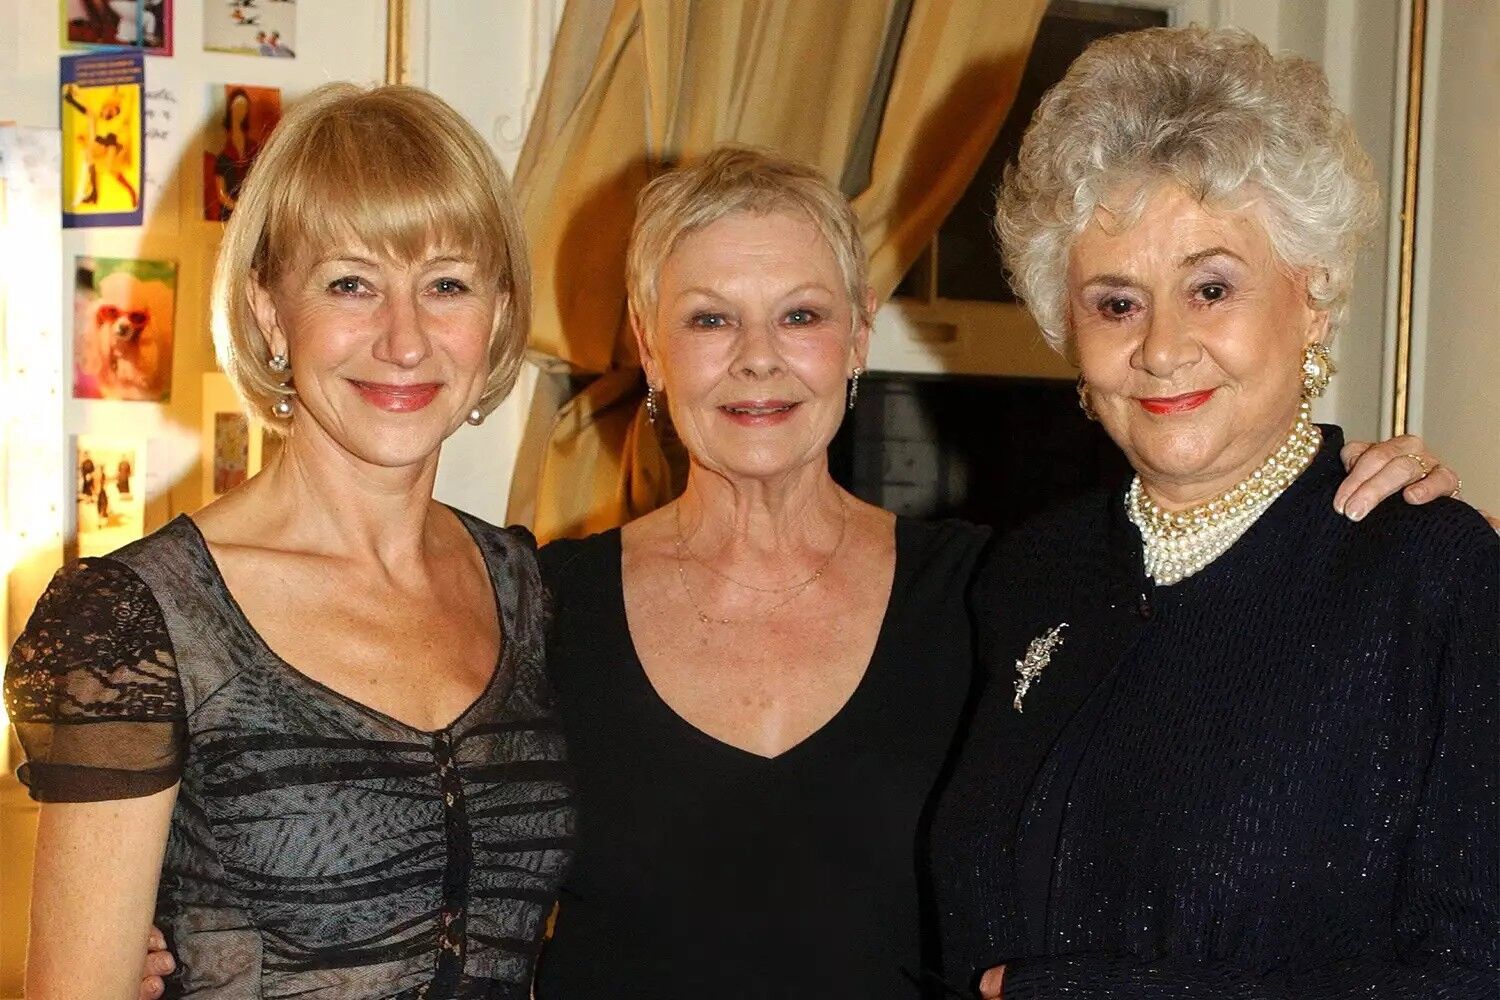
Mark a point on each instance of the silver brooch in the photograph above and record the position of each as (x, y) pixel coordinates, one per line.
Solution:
(1038, 655)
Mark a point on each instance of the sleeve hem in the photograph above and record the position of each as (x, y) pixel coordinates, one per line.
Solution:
(65, 783)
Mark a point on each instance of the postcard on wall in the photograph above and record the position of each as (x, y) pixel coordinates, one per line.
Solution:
(122, 328)
(251, 27)
(232, 447)
(168, 134)
(131, 24)
(103, 98)
(242, 118)
(110, 486)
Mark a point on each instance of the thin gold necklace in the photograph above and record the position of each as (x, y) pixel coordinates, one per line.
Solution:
(792, 592)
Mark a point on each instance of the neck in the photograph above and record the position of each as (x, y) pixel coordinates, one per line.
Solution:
(786, 519)
(327, 501)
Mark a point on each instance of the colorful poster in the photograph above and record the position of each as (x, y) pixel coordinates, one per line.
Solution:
(103, 143)
(251, 27)
(111, 495)
(231, 451)
(243, 117)
(122, 328)
(101, 24)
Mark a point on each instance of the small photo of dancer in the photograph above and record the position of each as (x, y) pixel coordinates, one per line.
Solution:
(111, 502)
(103, 148)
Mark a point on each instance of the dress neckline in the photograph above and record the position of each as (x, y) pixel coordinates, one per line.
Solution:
(857, 695)
(503, 612)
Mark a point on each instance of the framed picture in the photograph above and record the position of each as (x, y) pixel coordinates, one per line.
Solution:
(266, 28)
(110, 488)
(242, 119)
(104, 154)
(123, 328)
(133, 24)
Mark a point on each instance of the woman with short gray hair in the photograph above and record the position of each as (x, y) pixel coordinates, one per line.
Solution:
(1231, 743)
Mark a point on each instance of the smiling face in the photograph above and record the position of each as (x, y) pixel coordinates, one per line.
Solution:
(387, 357)
(753, 340)
(1190, 333)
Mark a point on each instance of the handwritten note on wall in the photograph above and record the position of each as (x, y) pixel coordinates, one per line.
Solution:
(166, 149)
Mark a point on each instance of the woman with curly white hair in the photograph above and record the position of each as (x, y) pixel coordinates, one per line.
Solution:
(1230, 742)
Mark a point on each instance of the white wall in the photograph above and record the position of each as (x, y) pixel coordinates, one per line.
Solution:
(1455, 399)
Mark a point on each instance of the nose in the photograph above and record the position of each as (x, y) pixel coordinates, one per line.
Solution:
(1168, 343)
(756, 352)
(403, 341)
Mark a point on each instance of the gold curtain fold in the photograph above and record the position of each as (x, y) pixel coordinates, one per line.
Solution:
(637, 85)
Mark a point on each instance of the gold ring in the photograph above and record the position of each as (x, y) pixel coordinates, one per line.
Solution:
(1426, 469)
(1457, 489)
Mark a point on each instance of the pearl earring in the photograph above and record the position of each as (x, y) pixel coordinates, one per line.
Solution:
(282, 408)
(1317, 370)
(475, 417)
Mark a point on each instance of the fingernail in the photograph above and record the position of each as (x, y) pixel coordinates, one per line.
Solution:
(1338, 505)
(1357, 512)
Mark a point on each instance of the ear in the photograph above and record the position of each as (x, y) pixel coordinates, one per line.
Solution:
(1318, 318)
(263, 308)
(650, 365)
(862, 331)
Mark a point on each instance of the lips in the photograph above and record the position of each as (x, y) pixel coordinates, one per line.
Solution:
(1162, 405)
(758, 412)
(397, 398)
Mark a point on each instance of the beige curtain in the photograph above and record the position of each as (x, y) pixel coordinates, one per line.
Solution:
(898, 100)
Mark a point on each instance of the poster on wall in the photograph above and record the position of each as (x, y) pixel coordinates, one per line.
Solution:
(242, 120)
(251, 27)
(111, 492)
(138, 24)
(122, 328)
(233, 445)
(103, 98)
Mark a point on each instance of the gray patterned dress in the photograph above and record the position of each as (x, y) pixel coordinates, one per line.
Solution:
(318, 848)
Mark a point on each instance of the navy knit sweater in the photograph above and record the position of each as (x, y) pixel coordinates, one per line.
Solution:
(1275, 779)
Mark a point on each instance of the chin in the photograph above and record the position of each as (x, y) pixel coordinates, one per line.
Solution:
(1182, 452)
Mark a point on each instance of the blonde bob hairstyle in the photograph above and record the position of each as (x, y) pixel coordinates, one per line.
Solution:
(1213, 111)
(393, 169)
(734, 179)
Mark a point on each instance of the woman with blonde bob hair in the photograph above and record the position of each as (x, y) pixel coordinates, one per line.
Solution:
(308, 728)
(1232, 744)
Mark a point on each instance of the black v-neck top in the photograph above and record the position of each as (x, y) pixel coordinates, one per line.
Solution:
(706, 870)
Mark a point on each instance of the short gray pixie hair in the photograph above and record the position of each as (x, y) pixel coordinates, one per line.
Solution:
(729, 180)
(1213, 111)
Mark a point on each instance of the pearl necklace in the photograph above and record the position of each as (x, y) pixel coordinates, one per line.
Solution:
(1180, 543)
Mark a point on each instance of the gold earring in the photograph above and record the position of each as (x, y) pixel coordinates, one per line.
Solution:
(1317, 370)
(1084, 403)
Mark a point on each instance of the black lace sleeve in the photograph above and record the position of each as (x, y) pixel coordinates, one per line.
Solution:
(92, 689)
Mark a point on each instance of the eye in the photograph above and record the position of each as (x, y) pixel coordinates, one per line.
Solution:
(1116, 306)
(347, 285)
(802, 317)
(708, 321)
(1213, 291)
(449, 286)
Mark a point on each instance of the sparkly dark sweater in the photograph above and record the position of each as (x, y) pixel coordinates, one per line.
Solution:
(1275, 779)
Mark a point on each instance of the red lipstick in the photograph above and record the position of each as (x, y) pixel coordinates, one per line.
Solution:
(1175, 404)
(397, 398)
(758, 412)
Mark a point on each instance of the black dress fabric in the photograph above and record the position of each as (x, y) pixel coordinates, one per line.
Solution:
(707, 871)
(318, 848)
(1274, 779)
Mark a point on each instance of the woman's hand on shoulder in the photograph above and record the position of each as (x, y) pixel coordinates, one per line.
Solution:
(1400, 464)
